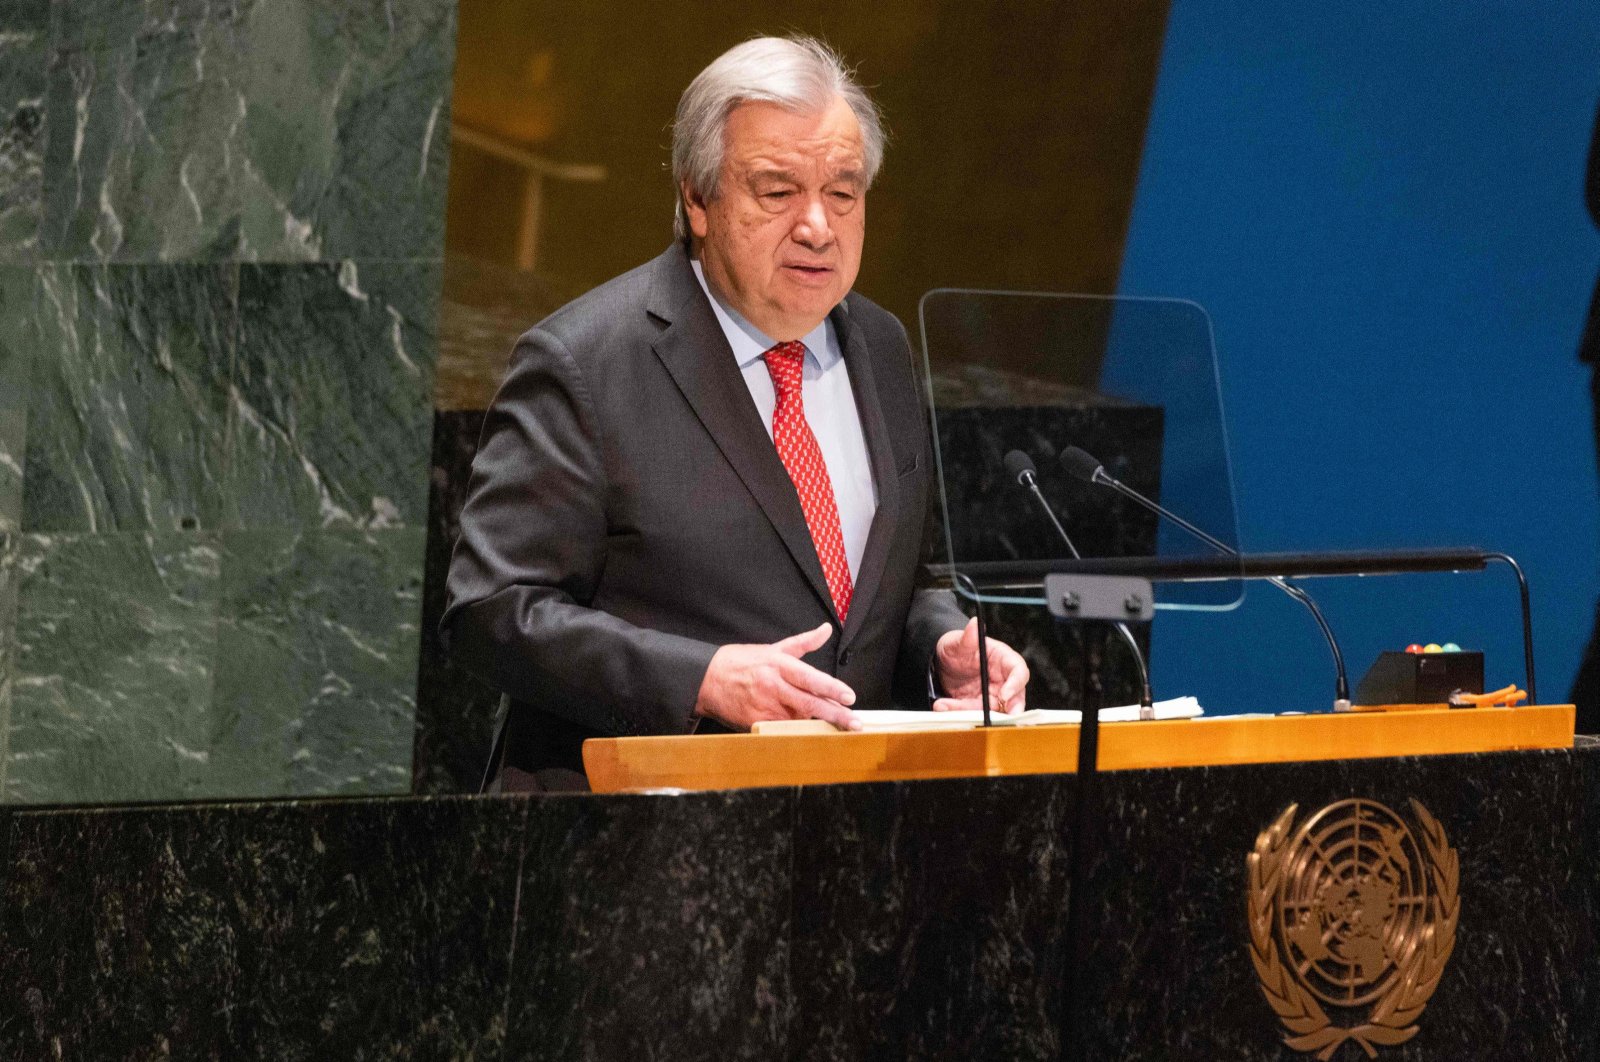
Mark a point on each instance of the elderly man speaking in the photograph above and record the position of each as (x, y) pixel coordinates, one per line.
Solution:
(700, 495)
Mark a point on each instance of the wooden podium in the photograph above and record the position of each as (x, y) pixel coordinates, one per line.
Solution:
(801, 755)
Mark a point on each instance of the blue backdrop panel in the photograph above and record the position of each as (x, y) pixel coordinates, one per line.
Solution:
(1383, 213)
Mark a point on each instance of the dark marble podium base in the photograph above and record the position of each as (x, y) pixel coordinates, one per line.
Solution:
(906, 920)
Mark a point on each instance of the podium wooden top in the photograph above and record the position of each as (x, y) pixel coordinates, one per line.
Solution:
(741, 761)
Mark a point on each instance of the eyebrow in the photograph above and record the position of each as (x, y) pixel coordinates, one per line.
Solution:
(851, 175)
(764, 173)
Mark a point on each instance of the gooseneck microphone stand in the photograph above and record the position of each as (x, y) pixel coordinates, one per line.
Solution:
(1527, 620)
(1083, 466)
(983, 642)
(1021, 469)
(1086, 828)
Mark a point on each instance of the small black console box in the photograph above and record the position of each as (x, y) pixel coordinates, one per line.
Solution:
(1420, 678)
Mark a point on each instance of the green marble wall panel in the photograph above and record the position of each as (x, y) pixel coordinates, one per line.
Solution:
(348, 130)
(147, 151)
(114, 645)
(18, 342)
(333, 410)
(127, 412)
(293, 130)
(24, 56)
(219, 282)
(316, 662)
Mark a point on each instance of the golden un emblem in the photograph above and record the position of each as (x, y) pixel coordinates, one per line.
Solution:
(1352, 910)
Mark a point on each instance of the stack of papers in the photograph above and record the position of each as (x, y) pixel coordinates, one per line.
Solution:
(1176, 708)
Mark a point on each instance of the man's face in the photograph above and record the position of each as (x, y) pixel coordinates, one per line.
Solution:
(781, 240)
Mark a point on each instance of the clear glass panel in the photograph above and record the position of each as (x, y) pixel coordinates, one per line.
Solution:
(1131, 381)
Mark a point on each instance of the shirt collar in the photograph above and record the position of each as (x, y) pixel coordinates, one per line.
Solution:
(749, 343)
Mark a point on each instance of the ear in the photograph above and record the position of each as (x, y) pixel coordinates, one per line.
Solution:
(694, 208)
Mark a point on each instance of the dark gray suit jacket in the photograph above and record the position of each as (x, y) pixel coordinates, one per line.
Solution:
(628, 514)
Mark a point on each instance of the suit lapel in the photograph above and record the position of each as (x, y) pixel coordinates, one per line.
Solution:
(697, 356)
(858, 361)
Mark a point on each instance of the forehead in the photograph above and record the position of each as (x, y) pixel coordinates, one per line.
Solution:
(759, 132)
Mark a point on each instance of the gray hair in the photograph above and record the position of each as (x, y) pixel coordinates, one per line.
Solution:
(800, 74)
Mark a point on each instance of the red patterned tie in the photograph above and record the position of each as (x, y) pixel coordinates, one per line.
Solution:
(802, 457)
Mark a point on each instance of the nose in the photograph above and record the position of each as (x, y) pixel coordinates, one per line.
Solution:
(812, 229)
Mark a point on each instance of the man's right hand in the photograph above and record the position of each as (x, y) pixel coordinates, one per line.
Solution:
(748, 683)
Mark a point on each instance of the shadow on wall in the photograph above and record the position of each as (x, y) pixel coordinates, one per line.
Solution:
(1586, 688)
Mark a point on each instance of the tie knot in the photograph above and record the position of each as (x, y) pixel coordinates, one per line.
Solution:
(786, 363)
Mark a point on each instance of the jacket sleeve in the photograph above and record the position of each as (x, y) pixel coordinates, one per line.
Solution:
(531, 553)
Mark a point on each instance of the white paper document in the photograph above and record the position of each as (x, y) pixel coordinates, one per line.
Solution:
(1176, 708)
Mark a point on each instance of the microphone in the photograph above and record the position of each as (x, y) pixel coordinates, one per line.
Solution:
(1080, 465)
(1083, 466)
(1021, 468)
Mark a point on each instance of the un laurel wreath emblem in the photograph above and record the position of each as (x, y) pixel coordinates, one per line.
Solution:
(1353, 910)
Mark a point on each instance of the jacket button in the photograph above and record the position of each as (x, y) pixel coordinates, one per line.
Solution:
(844, 658)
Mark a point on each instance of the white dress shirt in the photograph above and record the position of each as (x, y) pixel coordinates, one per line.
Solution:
(830, 407)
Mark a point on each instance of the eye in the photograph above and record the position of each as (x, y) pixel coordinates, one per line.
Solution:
(776, 196)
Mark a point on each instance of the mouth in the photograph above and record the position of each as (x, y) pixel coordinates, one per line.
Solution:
(805, 272)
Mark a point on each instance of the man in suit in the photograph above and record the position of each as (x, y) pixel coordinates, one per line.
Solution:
(700, 494)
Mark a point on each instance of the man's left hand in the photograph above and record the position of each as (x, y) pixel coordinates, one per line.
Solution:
(956, 661)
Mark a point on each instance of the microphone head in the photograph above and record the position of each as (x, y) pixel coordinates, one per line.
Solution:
(1018, 465)
(1080, 465)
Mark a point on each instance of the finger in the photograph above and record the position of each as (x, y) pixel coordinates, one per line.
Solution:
(969, 640)
(975, 704)
(957, 657)
(807, 679)
(1015, 671)
(798, 645)
(960, 647)
(804, 705)
(841, 718)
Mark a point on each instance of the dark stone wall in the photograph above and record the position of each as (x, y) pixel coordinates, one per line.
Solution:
(925, 920)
